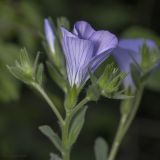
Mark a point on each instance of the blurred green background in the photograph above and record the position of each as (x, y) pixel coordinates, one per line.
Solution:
(22, 110)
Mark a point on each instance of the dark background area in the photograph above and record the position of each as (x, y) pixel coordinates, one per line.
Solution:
(22, 110)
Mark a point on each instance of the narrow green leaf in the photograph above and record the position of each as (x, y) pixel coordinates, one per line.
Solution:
(63, 22)
(101, 149)
(136, 75)
(108, 71)
(71, 98)
(39, 74)
(24, 57)
(56, 76)
(53, 137)
(36, 62)
(93, 77)
(19, 74)
(77, 125)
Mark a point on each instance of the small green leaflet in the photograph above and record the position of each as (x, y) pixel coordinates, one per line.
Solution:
(101, 149)
(77, 126)
(53, 137)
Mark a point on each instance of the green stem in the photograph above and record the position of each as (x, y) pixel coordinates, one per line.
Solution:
(135, 106)
(65, 124)
(125, 122)
(65, 128)
(118, 138)
(65, 134)
(48, 100)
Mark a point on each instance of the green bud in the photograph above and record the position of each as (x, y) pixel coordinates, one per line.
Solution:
(109, 70)
(149, 58)
(93, 92)
(56, 57)
(149, 61)
(110, 81)
(62, 22)
(27, 71)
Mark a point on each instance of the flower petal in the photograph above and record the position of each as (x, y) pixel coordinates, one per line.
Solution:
(136, 44)
(83, 30)
(98, 60)
(104, 41)
(66, 33)
(78, 53)
(49, 34)
(124, 58)
(127, 52)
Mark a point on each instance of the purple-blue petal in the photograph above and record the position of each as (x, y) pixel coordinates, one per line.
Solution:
(136, 44)
(127, 52)
(78, 53)
(49, 34)
(96, 61)
(85, 48)
(66, 33)
(83, 30)
(104, 41)
(124, 57)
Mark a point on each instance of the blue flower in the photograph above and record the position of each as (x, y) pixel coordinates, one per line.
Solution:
(127, 52)
(49, 34)
(85, 49)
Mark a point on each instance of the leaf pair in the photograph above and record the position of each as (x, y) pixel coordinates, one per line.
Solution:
(74, 131)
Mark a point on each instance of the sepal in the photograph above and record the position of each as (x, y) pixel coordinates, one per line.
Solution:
(110, 82)
(93, 91)
(71, 97)
(62, 22)
(136, 74)
(150, 58)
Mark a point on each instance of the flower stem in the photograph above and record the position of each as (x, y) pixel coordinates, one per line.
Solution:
(65, 134)
(125, 122)
(135, 106)
(48, 100)
(65, 128)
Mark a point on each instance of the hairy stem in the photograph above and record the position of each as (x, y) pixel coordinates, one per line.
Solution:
(48, 100)
(65, 128)
(65, 133)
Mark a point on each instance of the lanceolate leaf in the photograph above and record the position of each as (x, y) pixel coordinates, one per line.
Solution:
(56, 76)
(53, 137)
(136, 75)
(77, 126)
(101, 149)
(39, 74)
